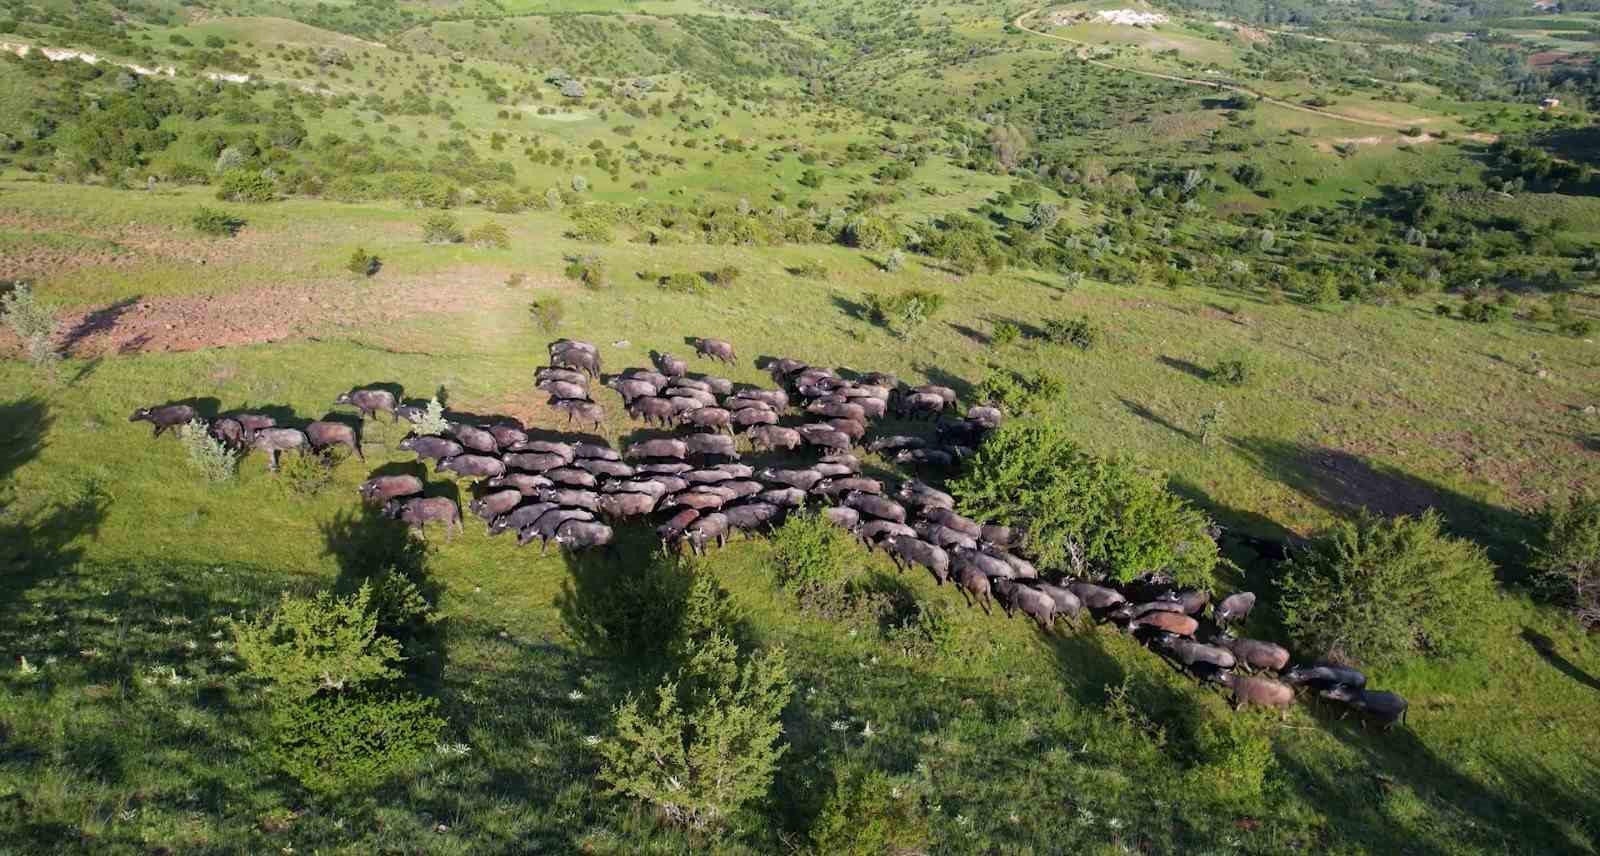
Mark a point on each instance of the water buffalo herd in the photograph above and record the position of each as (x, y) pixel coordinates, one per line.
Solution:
(693, 480)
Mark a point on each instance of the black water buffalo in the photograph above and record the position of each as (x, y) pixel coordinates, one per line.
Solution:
(586, 412)
(1192, 654)
(620, 505)
(783, 497)
(895, 443)
(437, 448)
(706, 529)
(844, 518)
(652, 410)
(534, 462)
(918, 552)
(275, 440)
(802, 479)
(753, 416)
(925, 458)
(385, 488)
(572, 477)
(773, 437)
(1096, 597)
(660, 448)
(712, 444)
(525, 483)
(1035, 604)
(605, 469)
(595, 452)
(560, 390)
(545, 373)
(369, 401)
(842, 485)
(925, 497)
(164, 417)
(419, 512)
(1325, 676)
(880, 507)
(752, 515)
(587, 500)
(1066, 602)
(917, 405)
(873, 532)
(508, 436)
(944, 536)
(777, 399)
(671, 366)
(322, 435)
(632, 389)
(473, 466)
(948, 517)
(566, 451)
(474, 438)
(582, 534)
(1384, 708)
(1234, 607)
(716, 349)
(714, 418)
(228, 432)
(491, 506)
(520, 518)
(672, 530)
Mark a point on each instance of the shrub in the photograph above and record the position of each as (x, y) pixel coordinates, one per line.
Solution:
(1577, 328)
(1020, 392)
(1483, 312)
(907, 309)
(707, 740)
(221, 224)
(590, 225)
(490, 236)
(871, 232)
(1044, 216)
(684, 283)
(432, 423)
(305, 474)
(1083, 513)
(869, 814)
(32, 322)
(811, 554)
(314, 645)
(928, 633)
(547, 312)
(726, 275)
(442, 229)
(810, 269)
(246, 185)
(1566, 559)
(363, 263)
(1233, 369)
(1377, 590)
(590, 271)
(207, 455)
(894, 261)
(1006, 334)
(1080, 333)
(352, 742)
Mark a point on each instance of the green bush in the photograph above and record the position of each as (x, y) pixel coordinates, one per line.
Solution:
(442, 229)
(490, 236)
(1020, 393)
(1005, 334)
(246, 185)
(1082, 513)
(871, 232)
(363, 263)
(1483, 312)
(1081, 333)
(810, 269)
(306, 474)
(895, 261)
(1566, 558)
(1233, 369)
(32, 322)
(1577, 328)
(590, 225)
(928, 632)
(432, 423)
(906, 310)
(684, 283)
(809, 554)
(1378, 590)
(726, 275)
(590, 271)
(221, 224)
(870, 814)
(352, 742)
(547, 312)
(707, 740)
(315, 645)
(207, 455)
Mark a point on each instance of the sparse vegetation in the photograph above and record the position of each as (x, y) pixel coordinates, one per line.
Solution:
(442, 229)
(207, 455)
(219, 224)
(489, 236)
(1566, 558)
(547, 313)
(588, 270)
(363, 263)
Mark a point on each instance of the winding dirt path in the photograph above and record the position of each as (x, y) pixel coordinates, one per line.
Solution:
(1081, 54)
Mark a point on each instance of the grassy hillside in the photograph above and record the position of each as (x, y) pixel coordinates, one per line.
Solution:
(1339, 263)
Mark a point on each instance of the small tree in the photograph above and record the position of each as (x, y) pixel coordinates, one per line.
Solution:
(1566, 559)
(707, 740)
(207, 455)
(32, 322)
(547, 312)
(589, 270)
(1081, 333)
(1233, 369)
(894, 261)
(490, 236)
(432, 423)
(311, 645)
(1378, 590)
(363, 263)
(442, 229)
(1044, 216)
(220, 224)
(1006, 334)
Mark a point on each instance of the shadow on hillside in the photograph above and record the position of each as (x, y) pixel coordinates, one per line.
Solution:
(1545, 647)
(1185, 366)
(1342, 482)
(1155, 418)
(102, 320)
(373, 550)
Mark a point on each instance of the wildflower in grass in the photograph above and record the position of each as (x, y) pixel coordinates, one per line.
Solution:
(840, 725)
(576, 695)
(25, 667)
(592, 740)
(867, 732)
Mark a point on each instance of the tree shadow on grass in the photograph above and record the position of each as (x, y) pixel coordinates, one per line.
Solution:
(102, 320)
(1342, 482)
(1186, 367)
(1546, 649)
(1154, 418)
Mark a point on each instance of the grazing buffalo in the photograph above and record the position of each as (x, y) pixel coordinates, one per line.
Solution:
(652, 410)
(560, 390)
(473, 466)
(632, 389)
(228, 432)
(1034, 603)
(520, 518)
(582, 534)
(714, 418)
(491, 506)
(618, 505)
(1254, 654)
(550, 523)
(369, 401)
(706, 529)
(1260, 692)
(164, 417)
(1096, 597)
(672, 530)
(716, 349)
(880, 507)
(774, 437)
(662, 448)
(385, 488)
(586, 412)
(1325, 676)
(548, 373)
(671, 366)
(1384, 708)
(914, 551)
(925, 497)
(437, 448)
(751, 515)
(712, 444)
(525, 483)
(418, 513)
(473, 438)
(1234, 607)
(275, 440)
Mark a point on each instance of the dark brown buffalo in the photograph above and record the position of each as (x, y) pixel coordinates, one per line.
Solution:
(719, 385)
(595, 452)
(473, 466)
(714, 418)
(1260, 692)
(690, 383)
(566, 375)
(773, 437)
(671, 366)
(1021, 568)
(253, 422)
(1031, 602)
(228, 432)
(917, 405)
(716, 349)
(418, 513)
(948, 517)
(925, 497)
(752, 416)
(783, 497)
(508, 436)
(560, 390)
(838, 464)
(844, 518)
(491, 506)
(841, 485)
(654, 378)
(663, 468)
(777, 399)
(706, 529)
(385, 488)
(1066, 602)
(873, 532)
(708, 475)
(1254, 654)
(569, 497)
(849, 427)
(751, 516)
(649, 487)
(840, 410)
(474, 438)
(984, 563)
(895, 443)
(802, 479)
(549, 523)
(369, 401)
(605, 469)
(1096, 597)
(662, 448)
(582, 534)
(825, 437)
(737, 470)
(652, 410)
(926, 458)
(620, 505)
(572, 477)
(525, 483)
(700, 499)
(944, 536)
(520, 518)
(1195, 654)
(322, 435)
(880, 507)
(915, 551)
(672, 530)
(1172, 622)
(551, 447)
(534, 462)
(974, 586)
(437, 448)
(1000, 536)
(737, 403)
(164, 417)
(586, 412)
(988, 417)
(632, 389)
(1234, 607)
(275, 440)
(712, 444)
